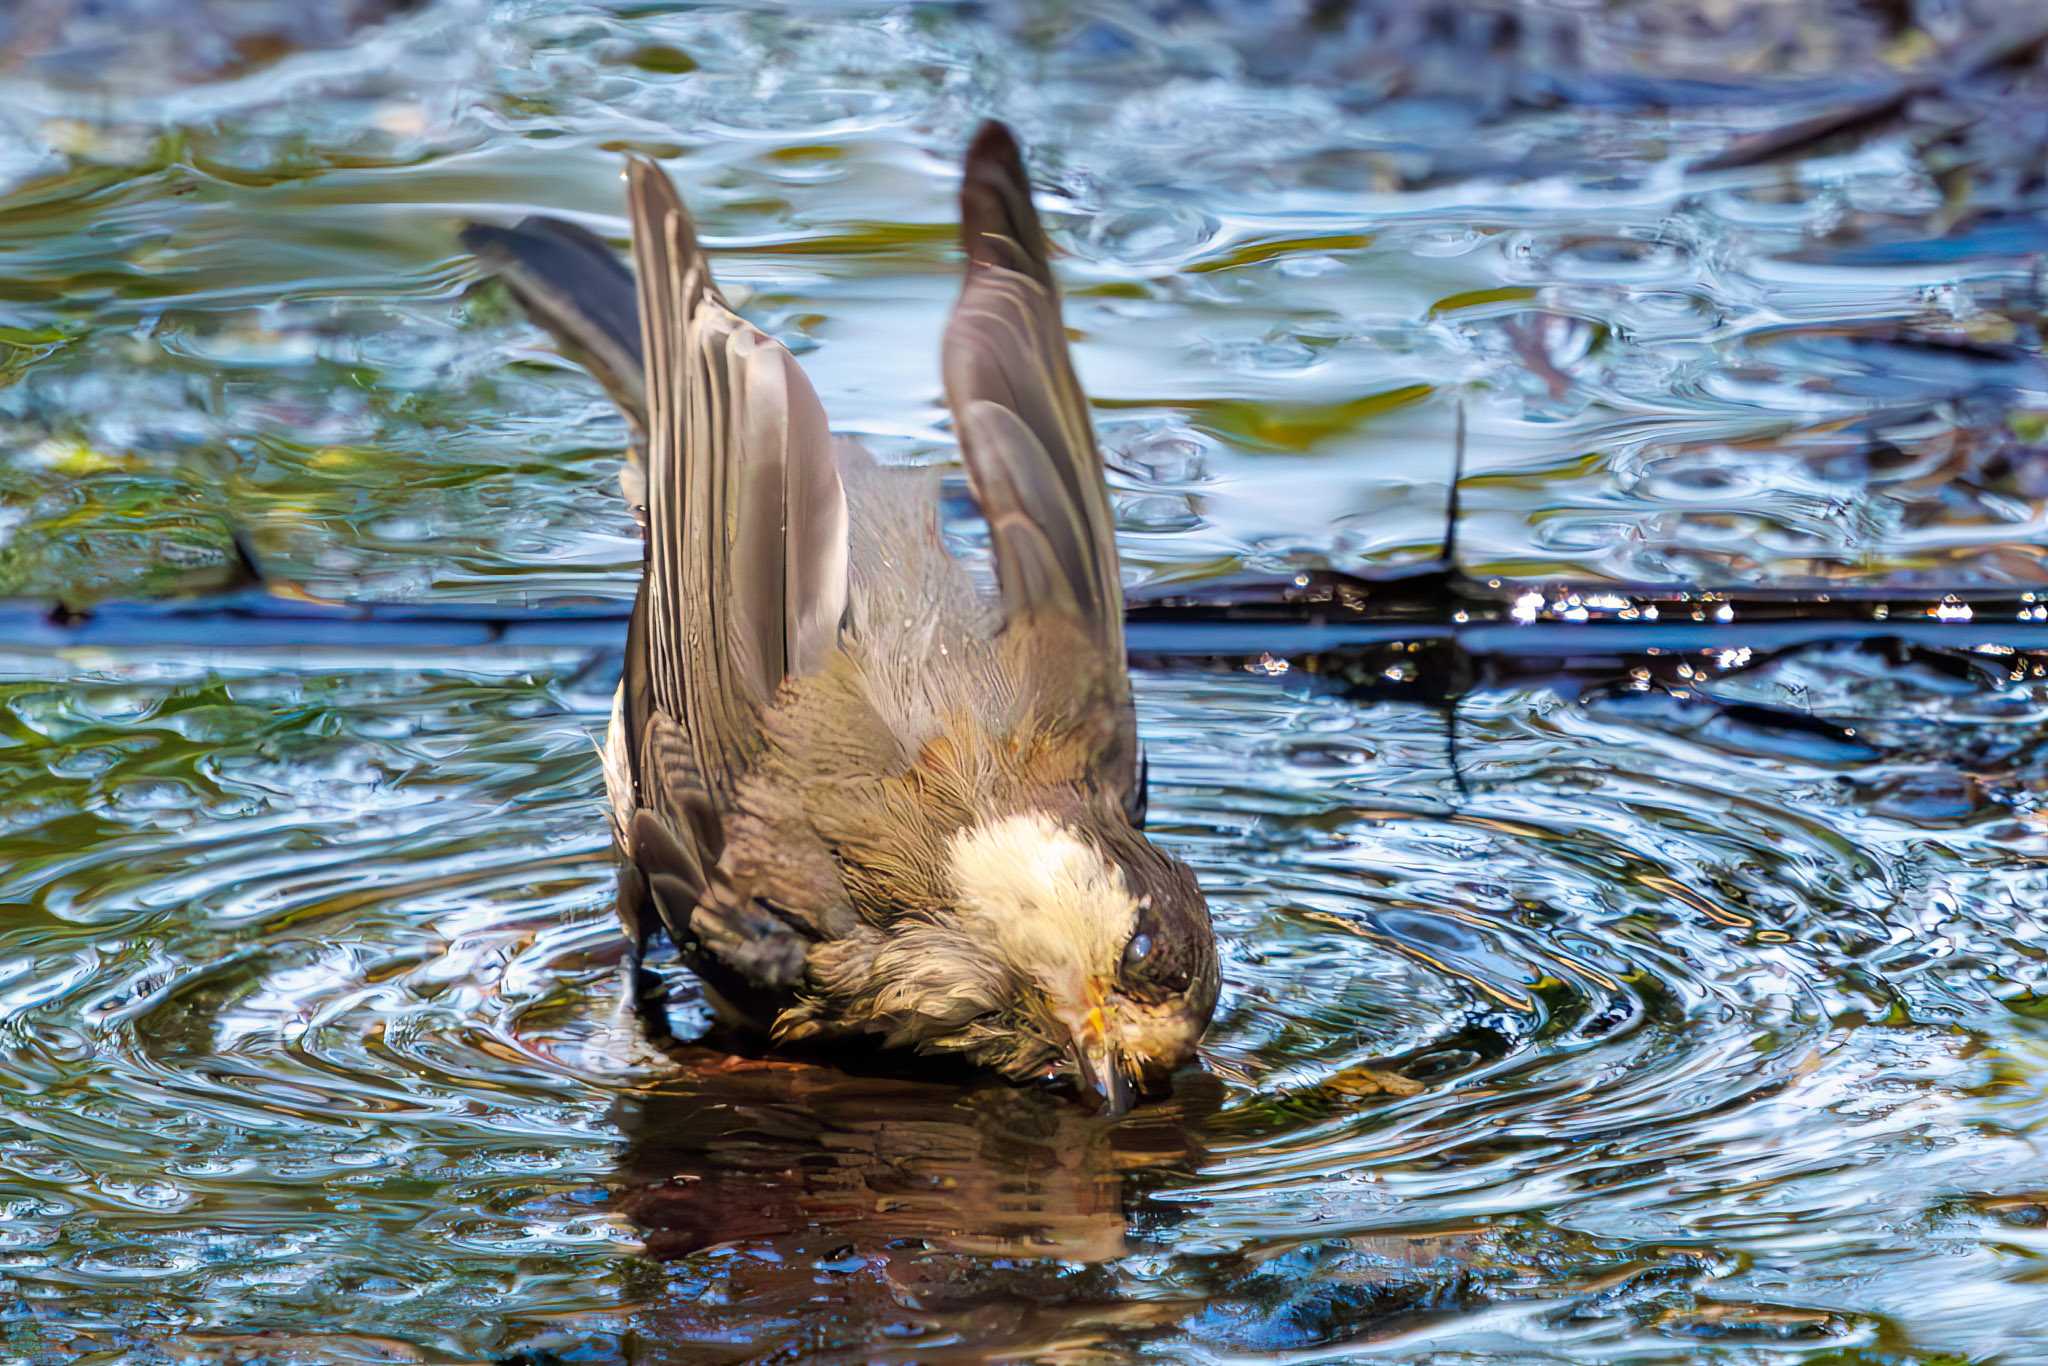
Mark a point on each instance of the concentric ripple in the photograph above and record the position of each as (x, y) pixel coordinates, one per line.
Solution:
(1656, 1021)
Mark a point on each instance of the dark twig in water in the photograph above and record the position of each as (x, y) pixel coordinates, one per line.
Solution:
(1509, 625)
(1455, 689)
(1452, 491)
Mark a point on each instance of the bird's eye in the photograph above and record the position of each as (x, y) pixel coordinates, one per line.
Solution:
(1151, 969)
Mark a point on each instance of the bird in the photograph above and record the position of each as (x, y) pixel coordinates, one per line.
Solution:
(873, 803)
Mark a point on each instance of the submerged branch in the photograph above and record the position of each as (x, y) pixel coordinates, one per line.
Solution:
(1429, 627)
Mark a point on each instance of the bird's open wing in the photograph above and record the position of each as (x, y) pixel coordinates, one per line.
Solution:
(737, 485)
(1025, 432)
(746, 571)
(745, 582)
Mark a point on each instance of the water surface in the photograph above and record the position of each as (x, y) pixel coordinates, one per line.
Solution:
(1682, 1023)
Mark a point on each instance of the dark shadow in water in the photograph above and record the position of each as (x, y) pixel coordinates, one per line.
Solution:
(838, 1212)
(816, 1161)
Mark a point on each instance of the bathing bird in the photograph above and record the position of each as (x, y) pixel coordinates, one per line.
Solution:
(873, 804)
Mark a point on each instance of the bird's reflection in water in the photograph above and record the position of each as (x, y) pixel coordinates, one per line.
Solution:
(838, 1211)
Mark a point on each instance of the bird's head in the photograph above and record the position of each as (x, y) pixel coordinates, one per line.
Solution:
(1102, 940)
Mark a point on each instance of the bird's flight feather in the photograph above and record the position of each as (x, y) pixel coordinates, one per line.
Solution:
(1025, 432)
(746, 549)
(747, 517)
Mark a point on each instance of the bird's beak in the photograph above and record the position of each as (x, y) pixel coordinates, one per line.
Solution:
(1100, 1069)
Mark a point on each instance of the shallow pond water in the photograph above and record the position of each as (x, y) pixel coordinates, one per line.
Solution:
(1675, 1024)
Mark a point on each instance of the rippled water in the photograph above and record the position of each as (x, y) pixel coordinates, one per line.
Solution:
(1704, 1024)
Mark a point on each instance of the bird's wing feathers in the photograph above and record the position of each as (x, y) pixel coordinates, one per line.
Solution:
(1025, 432)
(746, 574)
(746, 568)
(736, 484)
(1023, 421)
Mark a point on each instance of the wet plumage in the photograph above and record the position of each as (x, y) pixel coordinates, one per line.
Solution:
(871, 804)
